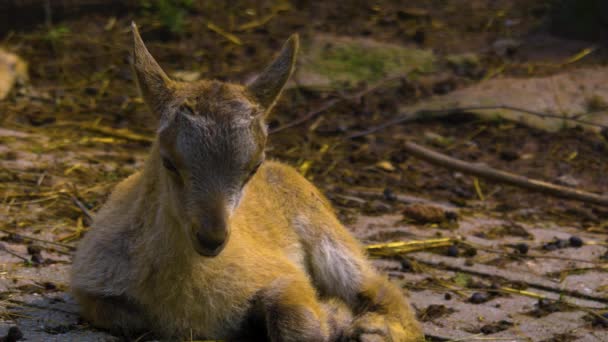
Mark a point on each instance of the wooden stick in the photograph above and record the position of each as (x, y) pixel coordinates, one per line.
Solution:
(489, 173)
(331, 103)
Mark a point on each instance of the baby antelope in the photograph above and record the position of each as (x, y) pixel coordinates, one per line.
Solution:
(212, 241)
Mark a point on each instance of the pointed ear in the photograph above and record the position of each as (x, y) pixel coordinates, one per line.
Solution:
(269, 84)
(153, 83)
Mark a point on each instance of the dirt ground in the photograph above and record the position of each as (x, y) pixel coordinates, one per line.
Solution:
(507, 264)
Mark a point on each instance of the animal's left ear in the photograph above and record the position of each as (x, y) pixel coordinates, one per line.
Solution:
(269, 84)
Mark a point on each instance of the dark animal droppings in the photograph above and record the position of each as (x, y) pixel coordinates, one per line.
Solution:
(453, 251)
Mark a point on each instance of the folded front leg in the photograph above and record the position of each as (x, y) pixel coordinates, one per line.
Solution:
(383, 314)
(292, 313)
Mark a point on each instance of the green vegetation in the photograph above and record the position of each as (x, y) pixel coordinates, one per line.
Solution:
(171, 13)
(353, 61)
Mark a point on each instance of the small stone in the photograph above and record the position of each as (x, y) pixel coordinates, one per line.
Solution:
(470, 252)
(406, 266)
(544, 302)
(33, 249)
(451, 215)
(389, 195)
(575, 241)
(478, 298)
(14, 334)
(49, 286)
(453, 251)
(447, 296)
(509, 155)
(496, 327)
(37, 259)
(522, 248)
(386, 166)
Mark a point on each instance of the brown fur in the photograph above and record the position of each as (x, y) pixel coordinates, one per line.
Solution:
(185, 250)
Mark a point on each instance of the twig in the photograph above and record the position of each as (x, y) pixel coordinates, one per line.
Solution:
(329, 104)
(39, 240)
(533, 255)
(4, 248)
(83, 208)
(530, 282)
(433, 113)
(486, 172)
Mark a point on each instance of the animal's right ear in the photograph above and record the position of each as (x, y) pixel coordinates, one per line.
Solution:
(153, 83)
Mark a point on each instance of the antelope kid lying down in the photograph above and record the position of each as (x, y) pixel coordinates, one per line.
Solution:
(211, 241)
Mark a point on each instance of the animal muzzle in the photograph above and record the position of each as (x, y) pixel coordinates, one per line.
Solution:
(210, 243)
(211, 233)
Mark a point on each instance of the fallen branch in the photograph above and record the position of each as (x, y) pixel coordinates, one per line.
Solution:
(601, 265)
(489, 173)
(83, 208)
(27, 237)
(5, 249)
(329, 104)
(494, 273)
(426, 114)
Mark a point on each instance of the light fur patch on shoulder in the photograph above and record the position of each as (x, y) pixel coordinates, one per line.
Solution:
(335, 269)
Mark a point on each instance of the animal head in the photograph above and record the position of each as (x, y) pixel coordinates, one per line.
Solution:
(211, 140)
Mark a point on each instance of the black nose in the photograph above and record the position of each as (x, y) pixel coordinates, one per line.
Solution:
(211, 241)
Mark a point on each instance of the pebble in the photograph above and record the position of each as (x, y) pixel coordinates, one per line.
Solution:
(576, 241)
(522, 248)
(389, 195)
(406, 265)
(478, 298)
(453, 251)
(14, 334)
(33, 249)
(37, 259)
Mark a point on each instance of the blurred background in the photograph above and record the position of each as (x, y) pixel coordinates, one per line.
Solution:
(519, 85)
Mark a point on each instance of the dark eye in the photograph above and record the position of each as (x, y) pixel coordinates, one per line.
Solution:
(168, 164)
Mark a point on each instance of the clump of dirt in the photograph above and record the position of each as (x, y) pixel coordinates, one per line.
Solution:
(433, 312)
(423, 214)
(546, 307)
(495, 327)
